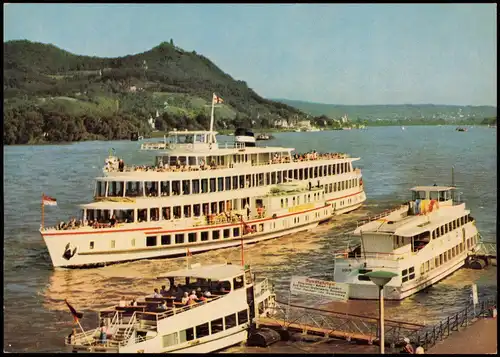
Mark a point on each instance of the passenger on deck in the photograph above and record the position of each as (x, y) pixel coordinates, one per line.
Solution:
(199, 294)
(185, 298)
(71, 336)
(408, 348)
(112, 221)
(207, 294)
(122, 303)
(163, 291)
(156, 294)
(193, 296)
(163, 306)
(133, 302)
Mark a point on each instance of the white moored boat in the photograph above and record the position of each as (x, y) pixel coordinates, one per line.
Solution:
(200, 195)
(423, 241)
(220, 321)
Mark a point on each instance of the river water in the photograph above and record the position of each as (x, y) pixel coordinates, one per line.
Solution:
(392, 161)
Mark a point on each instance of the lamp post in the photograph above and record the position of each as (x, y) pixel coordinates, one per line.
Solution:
(381, 278)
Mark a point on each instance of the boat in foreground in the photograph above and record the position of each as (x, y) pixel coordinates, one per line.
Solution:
(220, 321)
(423, 241)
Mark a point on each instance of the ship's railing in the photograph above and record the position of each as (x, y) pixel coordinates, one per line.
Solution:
(188, 168)
(261, 287)
(85, 338)
(129, 329)
(344, 254)
(380, 215)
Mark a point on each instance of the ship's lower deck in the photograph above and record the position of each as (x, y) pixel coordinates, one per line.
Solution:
(87, 249)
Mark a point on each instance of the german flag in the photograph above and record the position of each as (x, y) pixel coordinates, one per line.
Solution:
(76, 315)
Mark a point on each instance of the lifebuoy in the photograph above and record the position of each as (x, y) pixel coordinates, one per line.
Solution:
(172, 146)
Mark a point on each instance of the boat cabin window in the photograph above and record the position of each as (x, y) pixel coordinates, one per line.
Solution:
(238, 282)
(200, 138)
(100, 188)
(162, 160)
(151, 188)
(124, 215)
(134, 189)
(444, 196)
(419, 195)
(115, 188)
(434, 195)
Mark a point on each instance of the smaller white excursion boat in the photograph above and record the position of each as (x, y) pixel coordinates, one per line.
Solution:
(423, 241)
(211, 324)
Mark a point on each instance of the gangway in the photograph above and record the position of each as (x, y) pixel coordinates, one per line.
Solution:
(327, 323)
(484, 254)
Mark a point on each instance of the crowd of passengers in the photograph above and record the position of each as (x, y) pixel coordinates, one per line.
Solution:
(182, 167)
(180, 295)
(223, 217)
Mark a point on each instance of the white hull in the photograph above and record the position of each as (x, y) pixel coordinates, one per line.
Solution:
(220, 322)
(123, 251)
(424, 268)
(370, 292)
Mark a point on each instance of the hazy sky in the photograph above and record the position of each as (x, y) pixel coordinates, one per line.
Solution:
(329, 53)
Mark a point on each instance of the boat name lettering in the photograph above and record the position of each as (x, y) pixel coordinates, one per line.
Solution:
(301, 207)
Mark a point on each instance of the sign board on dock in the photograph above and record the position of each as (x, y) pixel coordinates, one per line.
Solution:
(324, 288)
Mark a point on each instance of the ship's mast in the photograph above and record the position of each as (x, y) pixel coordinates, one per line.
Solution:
(212, 115)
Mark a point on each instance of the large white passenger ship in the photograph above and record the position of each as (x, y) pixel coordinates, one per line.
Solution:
(210, 324)
(423, 241)
(200, 195)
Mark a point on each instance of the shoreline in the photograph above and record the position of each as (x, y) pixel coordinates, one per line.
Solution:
(159, 135)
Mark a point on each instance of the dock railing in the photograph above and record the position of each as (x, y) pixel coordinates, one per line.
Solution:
(428, 336)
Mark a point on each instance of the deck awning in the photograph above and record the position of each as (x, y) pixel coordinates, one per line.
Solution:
(213, 272)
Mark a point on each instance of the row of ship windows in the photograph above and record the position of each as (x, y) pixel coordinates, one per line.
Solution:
(448, 255)
(342, 185)
(295, 200)
(187, 211)
(438, 232)
(186, 187)
(206, 329)
(194, 237)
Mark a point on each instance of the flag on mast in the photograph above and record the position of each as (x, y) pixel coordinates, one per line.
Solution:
(49, 201)
(76, 315)
(217, 99)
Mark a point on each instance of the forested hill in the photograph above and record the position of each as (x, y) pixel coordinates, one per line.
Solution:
(53, 95)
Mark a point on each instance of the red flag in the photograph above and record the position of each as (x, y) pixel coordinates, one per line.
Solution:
(76, 315)
(49, 201)
(217, 99)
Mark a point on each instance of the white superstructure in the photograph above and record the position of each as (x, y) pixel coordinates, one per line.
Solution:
(199, 196)
(208, 325)
(423, 241)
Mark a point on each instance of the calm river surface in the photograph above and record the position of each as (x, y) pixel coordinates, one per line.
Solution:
(392, 161)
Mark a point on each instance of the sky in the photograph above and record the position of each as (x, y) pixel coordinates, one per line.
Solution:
(352, 54)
